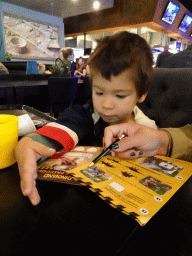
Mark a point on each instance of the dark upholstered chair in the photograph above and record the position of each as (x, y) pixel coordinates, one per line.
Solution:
(7, 95)
(35, 96)
(84, 92)
(169, 101)
(62, 92)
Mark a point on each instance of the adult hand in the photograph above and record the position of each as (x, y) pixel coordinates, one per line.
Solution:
(141, 140)
(27, 154)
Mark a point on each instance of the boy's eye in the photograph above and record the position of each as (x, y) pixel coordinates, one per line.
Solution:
(121, 96)
(99, 93)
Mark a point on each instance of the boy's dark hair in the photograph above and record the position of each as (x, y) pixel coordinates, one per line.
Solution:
(123, 50)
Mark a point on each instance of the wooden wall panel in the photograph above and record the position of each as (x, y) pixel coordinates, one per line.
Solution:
(124, 13)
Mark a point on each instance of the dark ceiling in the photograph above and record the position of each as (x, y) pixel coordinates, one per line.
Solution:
(187, 4)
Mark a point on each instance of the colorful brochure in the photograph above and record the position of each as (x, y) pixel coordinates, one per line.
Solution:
(138, 188)
(56, 169)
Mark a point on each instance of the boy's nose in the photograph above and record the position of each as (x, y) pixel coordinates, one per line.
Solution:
(107, 103)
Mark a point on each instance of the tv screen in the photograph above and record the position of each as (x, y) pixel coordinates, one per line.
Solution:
(178, 46)
(87, 51)
(185, 23)
(170, 12)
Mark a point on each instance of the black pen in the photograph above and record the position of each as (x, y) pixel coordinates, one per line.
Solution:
(106, 151)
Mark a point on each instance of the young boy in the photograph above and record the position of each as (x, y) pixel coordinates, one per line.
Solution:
(120, 68)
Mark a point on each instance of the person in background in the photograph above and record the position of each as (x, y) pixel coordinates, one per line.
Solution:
(3, 69)
(181, 59)
(162, 56)
(68, 56)
(120, 68)
(146, 141)
(80, 68)
(42, 69)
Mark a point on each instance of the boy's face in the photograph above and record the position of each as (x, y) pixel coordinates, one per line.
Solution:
(115, 99)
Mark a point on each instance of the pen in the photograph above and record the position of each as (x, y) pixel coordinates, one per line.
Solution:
(106, 151)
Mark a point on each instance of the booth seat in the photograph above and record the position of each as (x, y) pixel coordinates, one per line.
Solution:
(19, 67)
(15, 67)
(25, 89)
(169, 100)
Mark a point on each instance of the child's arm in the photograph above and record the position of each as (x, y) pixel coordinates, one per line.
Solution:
(70, 127)
(28, 152)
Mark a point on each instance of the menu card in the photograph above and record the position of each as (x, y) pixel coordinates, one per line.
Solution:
(138, 188)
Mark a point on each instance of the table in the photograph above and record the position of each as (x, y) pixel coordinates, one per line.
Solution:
(23, 82)
(75, 210)
(68, 219)
(35, 93)
(29, 92)
(71, 220)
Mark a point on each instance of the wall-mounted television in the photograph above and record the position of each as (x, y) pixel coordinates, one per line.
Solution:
(185, 23)
(87, 51)
(170, 12)
(178, 46)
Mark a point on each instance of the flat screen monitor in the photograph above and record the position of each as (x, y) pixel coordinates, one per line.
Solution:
(185, 23)
(178, 46)
(87, 51)
(170, 12)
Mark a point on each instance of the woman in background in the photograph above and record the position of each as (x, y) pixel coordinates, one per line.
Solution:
(80, 68)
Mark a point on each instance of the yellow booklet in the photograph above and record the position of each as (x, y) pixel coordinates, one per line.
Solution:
(56, 168)
(138, 188)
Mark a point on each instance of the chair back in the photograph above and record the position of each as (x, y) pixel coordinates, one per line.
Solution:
(62, 92)
(7, 95)
(169, 100)
(84, 92)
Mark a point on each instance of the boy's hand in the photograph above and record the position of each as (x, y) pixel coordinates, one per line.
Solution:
(27, 154)
(141, 140)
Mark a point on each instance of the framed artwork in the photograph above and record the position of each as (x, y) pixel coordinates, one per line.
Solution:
(31, 39)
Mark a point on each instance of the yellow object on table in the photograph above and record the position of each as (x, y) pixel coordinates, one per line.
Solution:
(8, 139)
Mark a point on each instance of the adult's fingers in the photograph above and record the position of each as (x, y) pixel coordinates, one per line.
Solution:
(114, 131)
(128, 143)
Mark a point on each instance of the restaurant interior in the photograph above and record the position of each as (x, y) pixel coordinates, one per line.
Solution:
(78, 219)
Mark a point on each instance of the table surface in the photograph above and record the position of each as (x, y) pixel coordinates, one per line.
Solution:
(74, 220)
(38, 121)
(4, 83)
(23, 83)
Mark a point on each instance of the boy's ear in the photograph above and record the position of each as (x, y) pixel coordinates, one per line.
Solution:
(140, 100)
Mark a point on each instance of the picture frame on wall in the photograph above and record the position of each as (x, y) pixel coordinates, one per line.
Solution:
(31, 39)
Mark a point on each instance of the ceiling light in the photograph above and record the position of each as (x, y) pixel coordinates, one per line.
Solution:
(96, 5)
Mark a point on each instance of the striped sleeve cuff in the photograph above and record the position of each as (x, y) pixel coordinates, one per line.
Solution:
(46, 142)
(60, 133)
